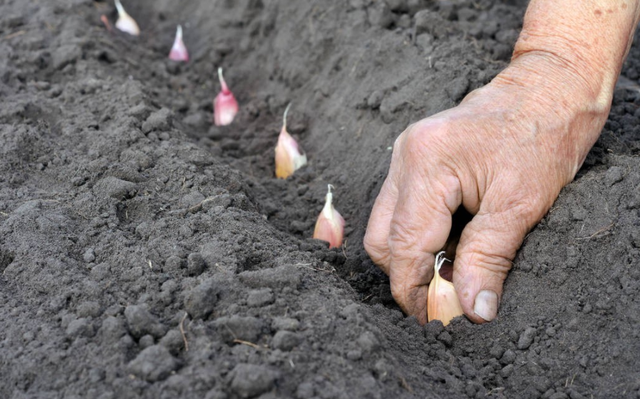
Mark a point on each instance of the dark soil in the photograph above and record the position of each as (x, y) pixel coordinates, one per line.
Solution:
(127, 219)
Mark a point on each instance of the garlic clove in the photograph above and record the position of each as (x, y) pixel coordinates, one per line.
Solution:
(225, 106)
(125, 23)
(330, 224)
(106, 23)
(289, 157)
(179, 50)
(442, 300)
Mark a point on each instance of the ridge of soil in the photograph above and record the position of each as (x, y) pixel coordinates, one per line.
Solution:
(146, 253)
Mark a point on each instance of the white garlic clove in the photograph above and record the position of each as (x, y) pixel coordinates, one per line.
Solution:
(442, 300)
(125, 23)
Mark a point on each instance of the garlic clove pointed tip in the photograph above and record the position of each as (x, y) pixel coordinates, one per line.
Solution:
(330, 224)
(125, 22)
(223, 83)
(289, 156)
(179, 50)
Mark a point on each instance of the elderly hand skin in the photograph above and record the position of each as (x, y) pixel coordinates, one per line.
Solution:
(503, 154)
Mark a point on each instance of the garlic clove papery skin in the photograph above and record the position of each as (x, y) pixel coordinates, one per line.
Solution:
(106, 23)
(125, 23)
(330, 224)
(225, 106)
(289, 157)
(442, 300)
(179, 50)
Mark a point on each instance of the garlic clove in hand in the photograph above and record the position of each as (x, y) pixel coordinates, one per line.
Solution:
(289, 158)
(179, 50)
(225, 106)
(125, 23)
(442, 300)
(330, 224)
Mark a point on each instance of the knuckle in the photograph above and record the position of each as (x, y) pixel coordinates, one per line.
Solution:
(489, 251)
(492, 266)
(520, 206)
(425, 135)
(495, 264)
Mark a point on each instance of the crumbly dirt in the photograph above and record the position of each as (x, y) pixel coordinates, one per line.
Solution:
(146, 253)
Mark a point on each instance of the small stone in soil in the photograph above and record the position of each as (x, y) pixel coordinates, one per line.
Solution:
(285, 323)
(65, 55)
(159, 120)
(368, 342)
(507, 371)
(259, 298)
(195, 264)
(88, 309)
(80, 328)
(250, 380)
(89, 255)
(526, 339)
(154, 363)
(239, 327)
(508, 357)
(201, 300)
(613, 176)
(285, 340)
(112, 329)
(433, 329)
(141, 322)
(173, 264)
(173, 341)
(115, 188)
(354, 354)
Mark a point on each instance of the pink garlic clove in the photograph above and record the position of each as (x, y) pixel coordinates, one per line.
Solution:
(289, 158)
(106, 23)
(225, 106)
(330, 224)
(179, 50)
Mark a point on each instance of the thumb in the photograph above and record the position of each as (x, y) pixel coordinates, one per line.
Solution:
(483, 258)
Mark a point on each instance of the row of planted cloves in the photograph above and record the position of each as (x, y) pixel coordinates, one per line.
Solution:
(288, 155)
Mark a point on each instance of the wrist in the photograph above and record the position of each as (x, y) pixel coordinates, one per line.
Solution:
(577, 46)
(589, 74)
(554, 106)
(560, 85)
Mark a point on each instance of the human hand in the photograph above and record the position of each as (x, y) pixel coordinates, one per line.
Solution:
(503, 154)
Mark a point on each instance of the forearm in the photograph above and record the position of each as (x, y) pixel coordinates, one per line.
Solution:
(590, 38)
(567, 60)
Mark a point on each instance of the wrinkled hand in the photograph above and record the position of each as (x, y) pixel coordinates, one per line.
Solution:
(503, 154)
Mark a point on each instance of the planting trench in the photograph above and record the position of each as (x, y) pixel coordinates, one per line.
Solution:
(122, 209)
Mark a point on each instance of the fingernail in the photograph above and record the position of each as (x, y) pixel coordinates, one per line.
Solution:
(486, 305)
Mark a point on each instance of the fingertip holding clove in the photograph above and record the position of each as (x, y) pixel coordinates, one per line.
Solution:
(225, 106)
